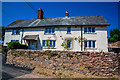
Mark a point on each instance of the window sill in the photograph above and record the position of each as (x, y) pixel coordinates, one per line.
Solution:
(91, 48)
(68, 33)
(49, 33)
(48, 48)
(90, 33)
(15, 34)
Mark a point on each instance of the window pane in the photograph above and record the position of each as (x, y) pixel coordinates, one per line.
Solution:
(68, 43)
(89, 29)
(18, 31)
(93, 29)
(89, 44)
(54, 43)
(43, 42)
(53, 30)
(12, 40)
(17, 40)
(50, 42)
(49, 30)
(68, 30)
(85, 30)
(46, 30)
(86, 44)
(14, 31)
(93, 44)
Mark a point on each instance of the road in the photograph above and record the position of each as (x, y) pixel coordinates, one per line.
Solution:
(9, 71)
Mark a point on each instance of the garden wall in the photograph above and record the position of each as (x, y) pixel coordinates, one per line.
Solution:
(95, 63)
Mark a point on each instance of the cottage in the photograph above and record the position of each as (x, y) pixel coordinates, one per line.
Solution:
(36, 32)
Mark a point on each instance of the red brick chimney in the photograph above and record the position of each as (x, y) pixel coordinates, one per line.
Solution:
(66, 14)
(40, 14)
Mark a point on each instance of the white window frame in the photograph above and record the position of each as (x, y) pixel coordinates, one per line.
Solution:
(88, 30)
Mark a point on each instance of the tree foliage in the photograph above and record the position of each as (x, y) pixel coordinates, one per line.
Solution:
(114, 36)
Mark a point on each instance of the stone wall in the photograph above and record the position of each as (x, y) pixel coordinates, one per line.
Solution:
(95, 63)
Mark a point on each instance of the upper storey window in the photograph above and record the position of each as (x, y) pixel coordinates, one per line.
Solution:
(68, 30)
(89, 30)
(49, 30)
(16, 32)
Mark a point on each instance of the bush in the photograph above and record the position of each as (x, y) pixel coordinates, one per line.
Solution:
(16, 45)
(70, 55)
(59, 73)
(53, 72)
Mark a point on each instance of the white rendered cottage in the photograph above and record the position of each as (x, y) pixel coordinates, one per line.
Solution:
(59, 29)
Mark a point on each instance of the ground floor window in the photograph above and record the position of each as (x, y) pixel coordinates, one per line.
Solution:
(49, 43)
(69, 44)
(90, 44)
(14, 40)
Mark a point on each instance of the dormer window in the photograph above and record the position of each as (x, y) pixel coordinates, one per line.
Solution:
(16, 32)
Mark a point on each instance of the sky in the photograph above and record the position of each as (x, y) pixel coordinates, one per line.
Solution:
(12, 11)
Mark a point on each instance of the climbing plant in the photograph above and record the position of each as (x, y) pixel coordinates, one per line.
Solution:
(83, 40)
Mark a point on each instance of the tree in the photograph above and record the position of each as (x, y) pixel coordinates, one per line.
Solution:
(83, 40)
(114, 36)
(114, 31)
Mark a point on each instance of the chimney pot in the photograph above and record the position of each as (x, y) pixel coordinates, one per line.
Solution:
(66, 13)
(40, 14)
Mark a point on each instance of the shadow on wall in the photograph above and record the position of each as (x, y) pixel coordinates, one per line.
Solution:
(39, 47)
(11, 71)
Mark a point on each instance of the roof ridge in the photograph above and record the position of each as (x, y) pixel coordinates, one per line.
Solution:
(58, 17)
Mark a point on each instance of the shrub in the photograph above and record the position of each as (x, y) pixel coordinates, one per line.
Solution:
(59, 73)
(64, 66)
(16, 45)
(15, 54)
(88, 67)
(71, 74)
(53, 72)
(70, 55)
(4, 49)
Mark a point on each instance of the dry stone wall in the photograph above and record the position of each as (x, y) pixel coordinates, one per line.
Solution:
(95, 63)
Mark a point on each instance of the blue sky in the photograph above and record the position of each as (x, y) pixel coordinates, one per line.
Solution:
(12, 11)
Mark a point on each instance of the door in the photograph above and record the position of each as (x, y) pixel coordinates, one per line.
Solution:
(32, 45)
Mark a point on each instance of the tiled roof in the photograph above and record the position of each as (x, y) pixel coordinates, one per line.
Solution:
(60, 21)
(30, 37)
(116, 44)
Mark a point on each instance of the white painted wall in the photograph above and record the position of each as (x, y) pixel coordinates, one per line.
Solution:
(101, 39)
(60, 35)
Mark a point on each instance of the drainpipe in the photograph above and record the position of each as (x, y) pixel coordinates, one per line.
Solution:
(21, 36)
(81, 39)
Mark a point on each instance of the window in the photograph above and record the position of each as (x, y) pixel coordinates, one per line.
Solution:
(49, 30)
(14, 40)
(16, 31)
(68, 44)
(68, 30)
(89, 30)
(90, 44)
(50, 43)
